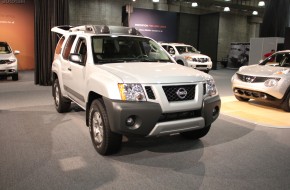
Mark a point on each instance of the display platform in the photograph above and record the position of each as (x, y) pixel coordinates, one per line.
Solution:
(259, 113)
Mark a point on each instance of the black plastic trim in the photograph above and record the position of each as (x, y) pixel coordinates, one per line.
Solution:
(146, 114)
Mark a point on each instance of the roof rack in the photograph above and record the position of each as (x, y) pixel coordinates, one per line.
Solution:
(104, 29)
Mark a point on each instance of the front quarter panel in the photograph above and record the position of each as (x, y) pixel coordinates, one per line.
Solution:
(103, 83)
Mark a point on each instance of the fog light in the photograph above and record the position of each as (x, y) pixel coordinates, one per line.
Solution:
(130, 121)
(215, 111)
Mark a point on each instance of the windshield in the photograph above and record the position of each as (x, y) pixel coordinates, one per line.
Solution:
(185, 49)
(116, 49)
(278, 60)
(4, 48)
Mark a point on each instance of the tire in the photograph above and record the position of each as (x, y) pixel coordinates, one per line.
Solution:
(104, 140)
(61, 103)
(180, 62)
(196, 134)
(15, 77)
(242, 99)
(286, 103)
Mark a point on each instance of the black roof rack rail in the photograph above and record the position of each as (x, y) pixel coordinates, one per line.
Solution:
(104, 29)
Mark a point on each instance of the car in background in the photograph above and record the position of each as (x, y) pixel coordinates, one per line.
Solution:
(8, 61)
(188, 56)
(268, 81)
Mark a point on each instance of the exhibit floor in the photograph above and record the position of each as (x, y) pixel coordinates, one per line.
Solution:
(42, 149)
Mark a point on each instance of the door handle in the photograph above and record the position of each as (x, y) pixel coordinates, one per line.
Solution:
(69, 69)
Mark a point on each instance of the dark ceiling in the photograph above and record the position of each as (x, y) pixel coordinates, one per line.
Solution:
(237, 6)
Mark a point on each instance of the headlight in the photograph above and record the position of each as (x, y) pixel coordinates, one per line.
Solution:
(210, 87)
(271, 82)
(188, 58)
(11, 61)
(132, 92)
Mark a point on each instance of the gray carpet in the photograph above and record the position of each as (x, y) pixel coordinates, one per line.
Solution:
(41, 149)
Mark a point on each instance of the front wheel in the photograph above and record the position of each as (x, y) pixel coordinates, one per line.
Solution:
(61, 103)
(196, 134)
(15, 77)
(286, 103)
(242, 99)
(104, 140)
(180, 62)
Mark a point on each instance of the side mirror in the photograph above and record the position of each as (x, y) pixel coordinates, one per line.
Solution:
(16, 52)
(76, 58)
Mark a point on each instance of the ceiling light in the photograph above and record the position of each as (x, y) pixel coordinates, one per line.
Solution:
(194, 4)
(261, 3)
(155, 1)
(227, 0)
(255, 13)
(227, 9)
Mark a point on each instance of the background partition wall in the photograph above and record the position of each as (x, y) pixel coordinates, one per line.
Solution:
(17, 28)
(29, 22)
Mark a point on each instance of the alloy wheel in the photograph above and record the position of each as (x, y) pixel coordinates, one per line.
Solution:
(98, 127)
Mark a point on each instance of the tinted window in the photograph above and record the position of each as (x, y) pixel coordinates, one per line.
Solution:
(278, 59)
(4, 48)
(68, 46)
(59, 45)
(185, 49)
(171, 50)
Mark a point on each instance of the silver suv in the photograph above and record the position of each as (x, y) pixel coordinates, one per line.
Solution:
(129, 85)
(268, 81)
(8, 61)
(188, 56)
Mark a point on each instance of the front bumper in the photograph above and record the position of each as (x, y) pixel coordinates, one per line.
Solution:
(8, 70)
(258, 90)
(150, 121)
(200, 66)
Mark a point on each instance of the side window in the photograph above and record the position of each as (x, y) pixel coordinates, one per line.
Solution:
(68, 46)
(59, 45)
(165, 47)
(81, 49)
(171, 50)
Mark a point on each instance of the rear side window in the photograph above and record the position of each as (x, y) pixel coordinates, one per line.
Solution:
(59, 45)
(68, 46)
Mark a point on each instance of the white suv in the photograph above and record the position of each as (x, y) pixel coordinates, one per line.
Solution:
(129, 85)
(188, 56)
(8, 61)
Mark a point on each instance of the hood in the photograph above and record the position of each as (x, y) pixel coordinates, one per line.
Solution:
(195, 55)
(152, 73)
(7, 56)
(260, 70)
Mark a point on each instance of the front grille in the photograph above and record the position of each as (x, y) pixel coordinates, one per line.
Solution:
(252, 79)
(179, 115)
(179, 93)
(200, 60)
(150, 92)
(4, 61)
(201, 65)
(253, 94)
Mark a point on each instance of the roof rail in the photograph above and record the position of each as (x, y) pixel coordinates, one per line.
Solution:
(104, 29)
